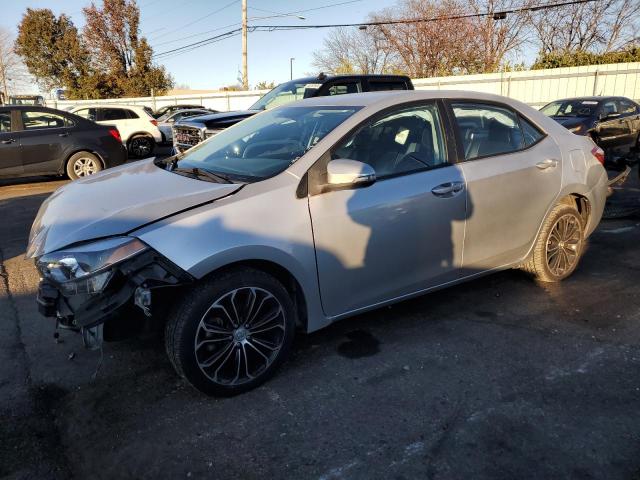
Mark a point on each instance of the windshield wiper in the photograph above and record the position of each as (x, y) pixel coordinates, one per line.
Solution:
(202, 173)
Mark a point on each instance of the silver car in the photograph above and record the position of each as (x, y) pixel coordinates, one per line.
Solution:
(310, 213)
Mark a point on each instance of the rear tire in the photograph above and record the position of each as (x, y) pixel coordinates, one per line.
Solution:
(559, 246)
(141, 146)
(83, 164)
(230, 333)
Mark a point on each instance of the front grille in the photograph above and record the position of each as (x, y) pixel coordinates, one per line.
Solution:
(187, 136)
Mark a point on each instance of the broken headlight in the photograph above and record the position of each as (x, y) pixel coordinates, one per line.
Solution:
(87, 268)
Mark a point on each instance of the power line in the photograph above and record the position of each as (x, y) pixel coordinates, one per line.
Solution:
(201, 43)
(309, 9)
(498, 14)
(270, 28)
(202, 18)
(283, 14)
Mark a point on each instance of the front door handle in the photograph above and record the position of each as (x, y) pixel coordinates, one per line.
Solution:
(548, 163)
(7, 142)
(447, 190)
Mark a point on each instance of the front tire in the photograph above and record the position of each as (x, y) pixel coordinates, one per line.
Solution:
(83, 164)
(559, 245)
(232, 332)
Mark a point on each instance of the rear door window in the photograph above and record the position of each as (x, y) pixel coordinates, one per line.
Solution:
(111, 114)
(342, 88)
(5, 121)
(88, 113)
(36, 120)
(487, 129)
(530, 133)
(627, 107)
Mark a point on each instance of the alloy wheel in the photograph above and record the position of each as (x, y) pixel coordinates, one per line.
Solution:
(564, 245)
(140, 146)
(85, 166)
(240, 335)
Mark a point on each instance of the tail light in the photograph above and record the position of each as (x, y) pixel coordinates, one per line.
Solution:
(598, 153)
(155, 122)
(115, 134)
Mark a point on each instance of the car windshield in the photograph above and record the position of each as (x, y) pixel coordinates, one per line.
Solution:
(264, 145)
(285, 93)
(570, 108)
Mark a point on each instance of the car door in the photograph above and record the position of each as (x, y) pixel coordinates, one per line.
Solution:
(612, 129)
(403, 233)
(10, 157)
(513, 174)
(43, 141)
(630, 115)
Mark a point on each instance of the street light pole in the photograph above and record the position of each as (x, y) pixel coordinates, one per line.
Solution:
(245, 77)
(291, 68)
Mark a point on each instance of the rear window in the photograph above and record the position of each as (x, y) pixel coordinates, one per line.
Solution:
(379, 85)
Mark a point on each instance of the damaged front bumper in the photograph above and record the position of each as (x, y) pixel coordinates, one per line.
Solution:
(132, 282)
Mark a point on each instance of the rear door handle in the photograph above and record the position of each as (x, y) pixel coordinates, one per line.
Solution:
(449, 189)
(548, 163)
(7, 142)
(66, 134)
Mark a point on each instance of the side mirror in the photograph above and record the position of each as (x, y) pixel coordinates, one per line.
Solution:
(350, 173)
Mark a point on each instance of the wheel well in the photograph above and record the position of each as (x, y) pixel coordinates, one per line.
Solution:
(284, 276)
(66, 162)
(580, 203)
(140, 134)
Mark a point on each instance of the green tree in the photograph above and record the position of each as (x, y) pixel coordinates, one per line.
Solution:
(112, 35)
(109, 59)
(580, 58)
(52, 50)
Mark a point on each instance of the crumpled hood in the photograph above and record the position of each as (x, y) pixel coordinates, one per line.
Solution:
(115, 202)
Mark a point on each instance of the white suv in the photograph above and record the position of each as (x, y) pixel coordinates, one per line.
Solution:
(138, 129)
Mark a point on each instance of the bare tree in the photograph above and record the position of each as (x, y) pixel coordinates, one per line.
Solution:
(598, 27)
(13, 74)
(432, 48)
(354, 51)
(499, 38)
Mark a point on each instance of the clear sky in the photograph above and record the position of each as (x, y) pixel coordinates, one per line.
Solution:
(166, 23)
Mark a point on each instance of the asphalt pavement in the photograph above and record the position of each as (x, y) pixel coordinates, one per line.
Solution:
(497, 378)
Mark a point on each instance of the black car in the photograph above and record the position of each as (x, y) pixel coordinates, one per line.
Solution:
(44, 141)
(174, 108)
(612, 122)
(192, 131)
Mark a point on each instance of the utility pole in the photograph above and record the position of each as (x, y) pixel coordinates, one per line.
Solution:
(245, 77)
(291, 68)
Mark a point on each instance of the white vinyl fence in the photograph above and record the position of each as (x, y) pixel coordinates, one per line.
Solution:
(534, 87)
(539, 87)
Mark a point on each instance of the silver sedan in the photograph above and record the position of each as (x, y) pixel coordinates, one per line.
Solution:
(310, 213)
